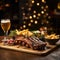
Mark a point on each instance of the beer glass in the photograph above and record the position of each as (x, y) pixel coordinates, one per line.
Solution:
(5, 25)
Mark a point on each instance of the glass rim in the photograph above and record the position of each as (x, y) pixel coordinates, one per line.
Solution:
(5, 20)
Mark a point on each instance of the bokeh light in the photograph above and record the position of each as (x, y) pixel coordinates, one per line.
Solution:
(38, 4)
(34, 11)
(42, 12)
(34, 16)
(36, 22)
(31, 21)
(29, 24)
(39, 14)
(24, 26)
(33, 1)
(30, 17)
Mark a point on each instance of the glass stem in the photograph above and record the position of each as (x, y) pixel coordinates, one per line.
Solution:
(6, 33)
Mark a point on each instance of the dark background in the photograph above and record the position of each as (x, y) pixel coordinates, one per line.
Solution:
(14, 13)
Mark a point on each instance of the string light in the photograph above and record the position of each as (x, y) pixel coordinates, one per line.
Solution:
(42, 12)
(31, 21)
(58, 6)
(24, 26)
(43, 0)
(24, 22)
(33, 1)
(39, 14)
(42, 7)
(29, 24)
(34, 16)
(21, 27)
(7, 5)
(30, 17)
(46, 6)
(29, 9)
(36, 22)
(34, 11)
(26, 18)
(24, 14)
(38, 4)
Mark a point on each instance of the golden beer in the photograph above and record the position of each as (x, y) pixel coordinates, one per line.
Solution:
(5, 24)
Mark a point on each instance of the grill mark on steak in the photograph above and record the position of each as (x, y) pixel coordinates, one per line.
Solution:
(32, 42)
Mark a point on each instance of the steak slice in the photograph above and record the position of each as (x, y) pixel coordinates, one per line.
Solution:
(32, 42)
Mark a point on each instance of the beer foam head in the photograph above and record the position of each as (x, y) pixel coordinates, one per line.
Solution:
(5, 21)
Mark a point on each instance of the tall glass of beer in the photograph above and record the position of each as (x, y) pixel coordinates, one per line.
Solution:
(5, 25)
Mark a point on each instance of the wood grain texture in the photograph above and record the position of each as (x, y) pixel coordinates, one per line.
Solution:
(29, 50)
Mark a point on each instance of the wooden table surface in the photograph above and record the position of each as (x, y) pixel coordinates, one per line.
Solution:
(14, 55)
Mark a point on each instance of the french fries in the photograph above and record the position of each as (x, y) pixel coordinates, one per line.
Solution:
(52, 36)
(24, 32)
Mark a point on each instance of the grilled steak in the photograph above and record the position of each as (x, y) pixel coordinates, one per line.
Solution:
(32, 42)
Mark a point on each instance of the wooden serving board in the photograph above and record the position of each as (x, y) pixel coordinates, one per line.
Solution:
(28, 50)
